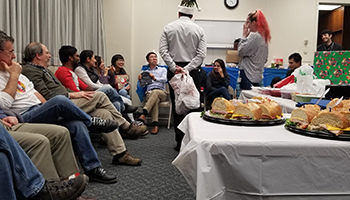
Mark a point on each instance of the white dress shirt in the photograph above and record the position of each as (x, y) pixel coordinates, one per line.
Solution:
(183, 41)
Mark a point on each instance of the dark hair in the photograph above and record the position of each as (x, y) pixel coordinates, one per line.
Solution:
(222, 65)
(275, 80)
(296, 57)
(326, 31)
(149, 54)
(66, 51)
(115, 58)
(185, 15)
(98, 60)
(4, 38)
(86, 54)
(31, 50)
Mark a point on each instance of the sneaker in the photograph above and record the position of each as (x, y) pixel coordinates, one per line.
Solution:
(63, 190)
(103, 125)
(135, 129)
(127, 159)
(100, 175)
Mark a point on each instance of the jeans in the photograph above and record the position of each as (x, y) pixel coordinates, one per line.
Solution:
(113, 96)
(123, 92)
(16, 170)
(245, 83)
(218, 92)
(60, 110)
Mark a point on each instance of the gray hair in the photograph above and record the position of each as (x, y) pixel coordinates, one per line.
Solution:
(4, 38)
(31, 50)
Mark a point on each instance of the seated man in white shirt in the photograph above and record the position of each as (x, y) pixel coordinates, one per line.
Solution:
(155, 92)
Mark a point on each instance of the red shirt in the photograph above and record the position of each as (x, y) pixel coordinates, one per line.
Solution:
(69, 79)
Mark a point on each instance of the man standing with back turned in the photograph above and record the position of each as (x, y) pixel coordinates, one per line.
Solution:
(183, 46)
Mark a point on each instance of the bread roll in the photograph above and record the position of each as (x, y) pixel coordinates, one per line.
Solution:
(222, 106)
(334, 118)
(271, 109)
(249, 110)
(305, 113)
(334, 101)
(346, 104)
(262, 99)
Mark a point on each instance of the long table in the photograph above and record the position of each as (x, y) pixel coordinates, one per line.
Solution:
(236, 162)
(287, 105)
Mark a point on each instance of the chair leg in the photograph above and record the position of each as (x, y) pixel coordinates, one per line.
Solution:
(169, 118)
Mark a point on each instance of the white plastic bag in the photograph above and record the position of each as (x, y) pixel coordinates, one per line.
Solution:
(304, 76)
(186, 93)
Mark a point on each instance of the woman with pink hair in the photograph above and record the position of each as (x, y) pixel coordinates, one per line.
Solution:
(253, 49)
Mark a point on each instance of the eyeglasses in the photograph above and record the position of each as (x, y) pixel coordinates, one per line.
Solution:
(9, 52)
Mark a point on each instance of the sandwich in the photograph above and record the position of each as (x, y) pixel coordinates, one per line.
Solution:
(333, 102)
(247, 111)
(270, 110)
(261, 99)
(301, 117)
(222, 107)
(346, 104)
(335, 121)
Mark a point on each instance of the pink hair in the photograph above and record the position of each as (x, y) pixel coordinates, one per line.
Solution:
(261, 24)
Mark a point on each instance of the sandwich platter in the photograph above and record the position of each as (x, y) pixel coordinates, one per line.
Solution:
(324, 134)
(241, 122)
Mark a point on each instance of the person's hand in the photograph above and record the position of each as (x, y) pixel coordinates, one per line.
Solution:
(152, 76)
(179, 70)
(221, 73)
(112, 69)
(246, 30)
(127, 87)
(14, 69)
(82, 94)
(10, 121)
(140, 76)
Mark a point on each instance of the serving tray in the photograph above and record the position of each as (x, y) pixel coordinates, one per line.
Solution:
(319, 134)
(242, 122)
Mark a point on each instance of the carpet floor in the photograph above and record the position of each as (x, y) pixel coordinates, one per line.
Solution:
(155, 179)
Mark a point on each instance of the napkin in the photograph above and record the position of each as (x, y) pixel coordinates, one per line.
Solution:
(323, 103)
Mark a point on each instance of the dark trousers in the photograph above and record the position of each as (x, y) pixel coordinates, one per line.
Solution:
(178, 118)
(245, 83)
(218, 92)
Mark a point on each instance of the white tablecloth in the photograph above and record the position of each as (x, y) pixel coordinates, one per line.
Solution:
(236, 162)
(287, 105)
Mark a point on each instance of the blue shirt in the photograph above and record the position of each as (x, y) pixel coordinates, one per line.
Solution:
(160, 73)
(2, 114)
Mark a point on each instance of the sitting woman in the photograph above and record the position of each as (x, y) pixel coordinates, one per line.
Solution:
(106, 76)
(217, 82)
(121, 77)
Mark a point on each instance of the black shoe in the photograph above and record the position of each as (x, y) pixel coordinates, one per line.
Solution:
(63, 190)
(100, 175)
(102, 125)
(130, 109)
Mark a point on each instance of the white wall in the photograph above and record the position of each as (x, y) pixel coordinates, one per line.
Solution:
(133, 27)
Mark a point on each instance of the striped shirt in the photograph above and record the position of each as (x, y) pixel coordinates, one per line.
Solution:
(253, 51)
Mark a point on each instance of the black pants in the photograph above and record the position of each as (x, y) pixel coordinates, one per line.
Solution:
(178, 118)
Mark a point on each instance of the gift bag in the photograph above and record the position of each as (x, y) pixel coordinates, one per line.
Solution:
(121, 81)
(186, 93)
